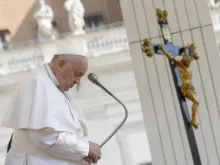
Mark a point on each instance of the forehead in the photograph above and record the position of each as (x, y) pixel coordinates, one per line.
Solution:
(80, 64)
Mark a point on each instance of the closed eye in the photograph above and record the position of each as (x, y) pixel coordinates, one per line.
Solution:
(78, 74)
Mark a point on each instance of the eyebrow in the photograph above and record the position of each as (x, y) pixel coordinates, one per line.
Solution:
(77, 72)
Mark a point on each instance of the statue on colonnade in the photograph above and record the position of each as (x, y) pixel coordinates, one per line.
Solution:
(76, 11)
(44, 18)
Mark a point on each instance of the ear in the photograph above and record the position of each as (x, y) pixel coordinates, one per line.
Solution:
(61, 63)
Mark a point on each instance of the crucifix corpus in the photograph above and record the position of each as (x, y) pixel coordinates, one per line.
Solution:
(181, 71)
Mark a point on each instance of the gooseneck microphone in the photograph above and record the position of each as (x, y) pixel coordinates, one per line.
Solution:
(95, 80)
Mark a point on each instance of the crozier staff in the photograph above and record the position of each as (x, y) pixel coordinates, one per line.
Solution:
(49, 127)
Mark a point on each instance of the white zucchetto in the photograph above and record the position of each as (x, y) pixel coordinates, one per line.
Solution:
(76, 47)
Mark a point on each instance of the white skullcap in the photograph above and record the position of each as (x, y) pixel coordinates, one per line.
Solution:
(77, 47)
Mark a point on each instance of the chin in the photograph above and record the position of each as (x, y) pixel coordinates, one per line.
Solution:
(69, 88)
(64, 89)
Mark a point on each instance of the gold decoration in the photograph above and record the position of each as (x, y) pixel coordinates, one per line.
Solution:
(162, 15)
(187, 87)
(193, 53)
(147, 48)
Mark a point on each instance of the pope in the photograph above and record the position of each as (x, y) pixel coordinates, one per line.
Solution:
(49, 127)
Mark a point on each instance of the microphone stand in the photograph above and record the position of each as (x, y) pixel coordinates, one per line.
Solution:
(94, 79)
(120, 124)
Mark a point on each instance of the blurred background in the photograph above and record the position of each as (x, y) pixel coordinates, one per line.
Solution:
(30, 31)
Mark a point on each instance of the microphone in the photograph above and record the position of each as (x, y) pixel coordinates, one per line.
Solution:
(95, 80)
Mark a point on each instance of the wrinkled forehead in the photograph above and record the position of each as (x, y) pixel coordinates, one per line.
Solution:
(80, 64)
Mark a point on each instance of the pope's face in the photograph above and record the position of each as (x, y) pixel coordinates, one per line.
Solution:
(71, 72)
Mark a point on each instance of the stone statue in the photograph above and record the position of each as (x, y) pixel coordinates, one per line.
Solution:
(187, 87)
(76, 13)
(44, 17)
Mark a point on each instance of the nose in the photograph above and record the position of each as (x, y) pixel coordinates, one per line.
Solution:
(77, 81)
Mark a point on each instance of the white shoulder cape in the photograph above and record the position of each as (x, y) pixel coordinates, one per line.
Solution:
(38, 103)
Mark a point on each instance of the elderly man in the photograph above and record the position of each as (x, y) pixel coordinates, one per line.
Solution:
(49, 127)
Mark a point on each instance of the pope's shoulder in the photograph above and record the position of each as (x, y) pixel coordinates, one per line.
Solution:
(37, 78)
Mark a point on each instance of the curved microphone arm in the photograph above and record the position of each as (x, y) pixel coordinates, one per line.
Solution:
(95, 80)
(121, 123)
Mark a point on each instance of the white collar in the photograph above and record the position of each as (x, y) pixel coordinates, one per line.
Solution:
(51, 75)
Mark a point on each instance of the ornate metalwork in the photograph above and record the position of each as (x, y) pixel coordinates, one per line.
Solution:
(182, 77)
(162, 15)
(181, 70)
(185, 73)
(147, 48)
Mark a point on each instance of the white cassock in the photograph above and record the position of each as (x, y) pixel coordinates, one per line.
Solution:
(49, 127)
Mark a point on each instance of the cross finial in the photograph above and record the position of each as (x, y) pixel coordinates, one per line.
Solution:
(147, 48)
(162, 15)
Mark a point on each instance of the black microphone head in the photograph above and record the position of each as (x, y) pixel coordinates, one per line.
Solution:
(93, 78)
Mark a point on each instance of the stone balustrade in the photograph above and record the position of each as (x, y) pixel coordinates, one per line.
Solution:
(27, 57)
